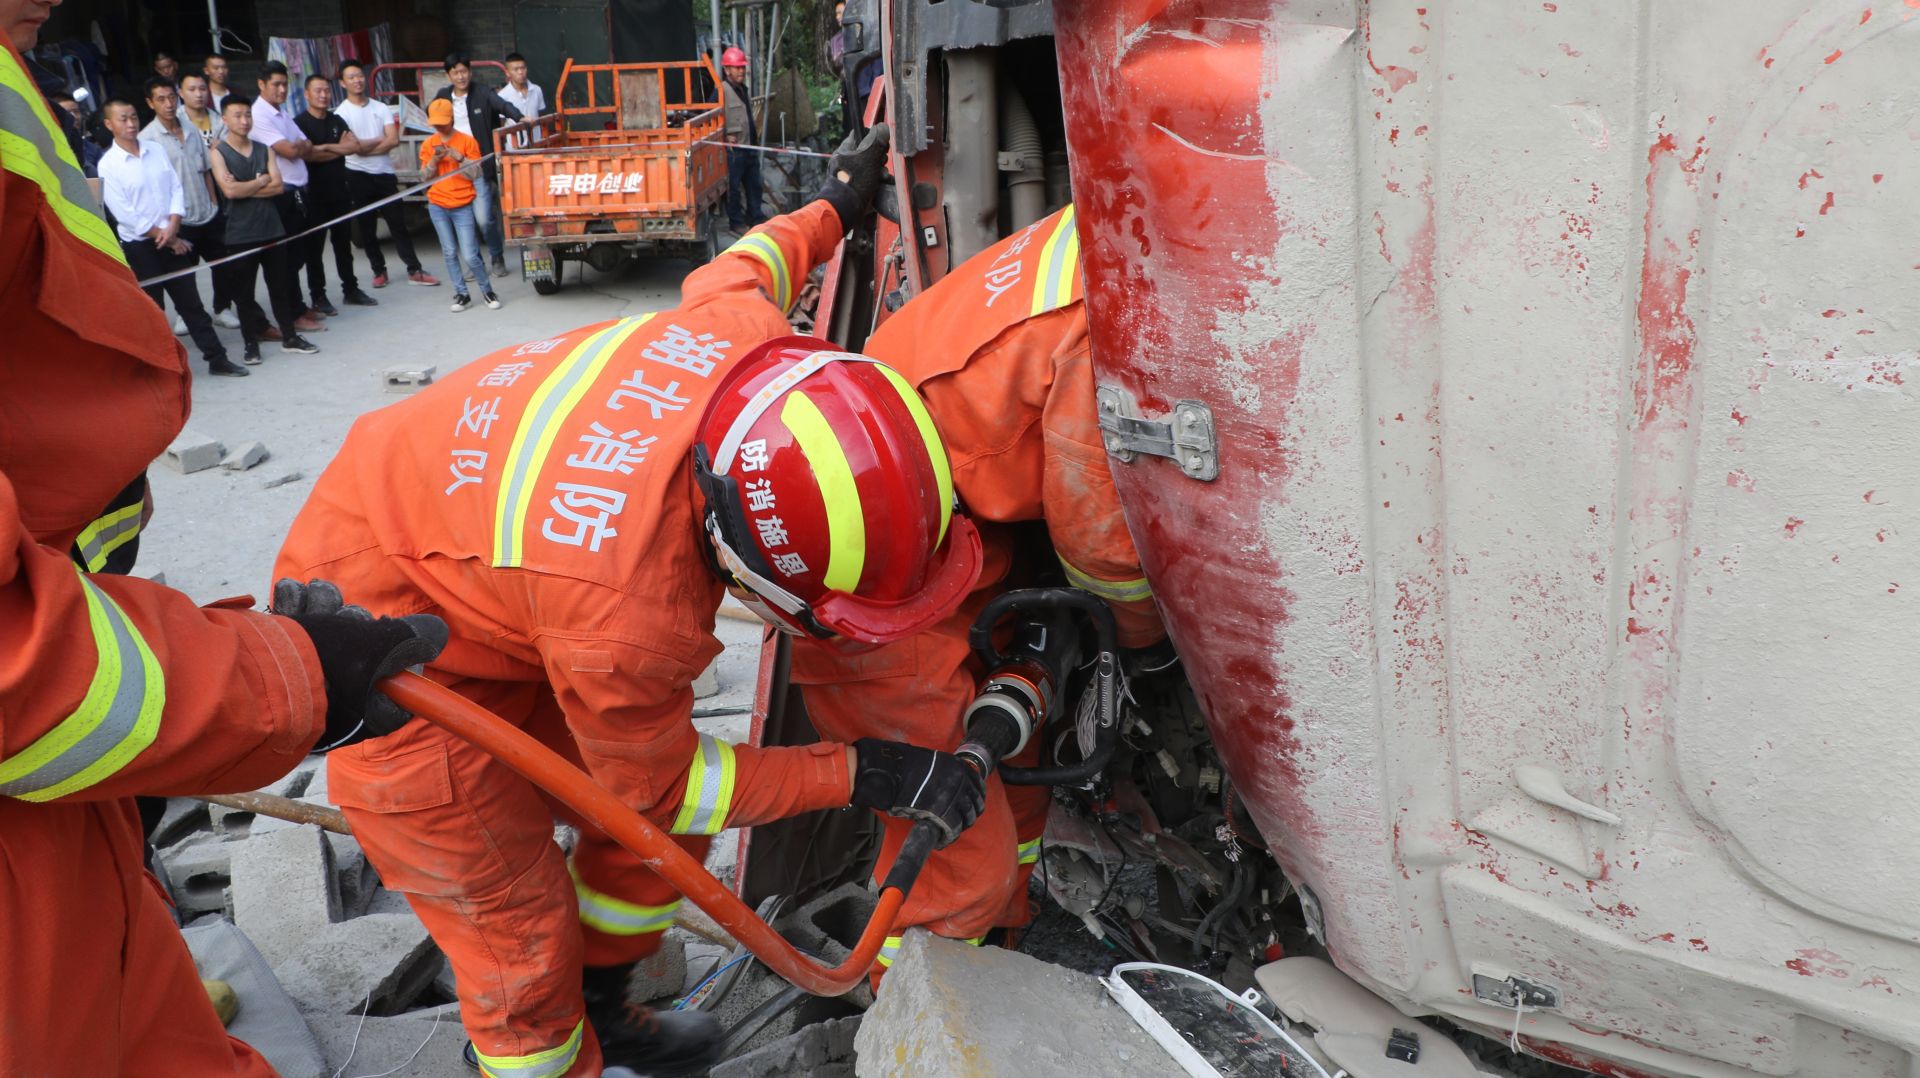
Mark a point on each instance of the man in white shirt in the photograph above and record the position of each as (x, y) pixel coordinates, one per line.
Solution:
(370, 176)
(520, 93)
(187, 153)
(275, 130)
(143, 194)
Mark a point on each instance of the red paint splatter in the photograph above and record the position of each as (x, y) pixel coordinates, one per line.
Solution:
(1833, 312)
(1802, 231)
(1664, 937)
(1421, 130)
(1698, 945)
(1810, 174)
(1739, 417)
(1878, 176)
(1569, 49)
(1867, 497)
(1827, 205)
(1818, 963)
(1865, 15)
(1550, 7)
(1793, 527)
(1666, 333)
(1881, 535)
(1835, 56)
(1738, 479)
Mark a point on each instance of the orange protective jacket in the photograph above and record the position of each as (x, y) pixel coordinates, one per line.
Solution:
(109, 686)
(999, 348)
(541, 501)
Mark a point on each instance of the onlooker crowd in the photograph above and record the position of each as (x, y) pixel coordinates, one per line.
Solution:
(222, 177)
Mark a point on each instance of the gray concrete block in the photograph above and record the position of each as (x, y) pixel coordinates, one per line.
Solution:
(707, 684)
(199, 875)
(407, 379)
(380, 962)
(244, 456)
(821, 1050)
(229, 822)
(295, 783)
(285, 890)
(192, 452)
(661, 974)
(184, 816)
(386, 1043)
(359, 881)
(946, 1008)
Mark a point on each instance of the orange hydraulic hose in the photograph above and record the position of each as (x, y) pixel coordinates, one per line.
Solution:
(545, 768)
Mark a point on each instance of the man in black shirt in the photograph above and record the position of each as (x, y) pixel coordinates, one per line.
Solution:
(477, 111)
(333, 142)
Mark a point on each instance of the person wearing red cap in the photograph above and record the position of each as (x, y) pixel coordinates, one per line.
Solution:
(451, 153)
(542, 502)
(743, 165)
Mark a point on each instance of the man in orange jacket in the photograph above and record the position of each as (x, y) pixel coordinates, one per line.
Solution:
(112, 686)
(999, 350)
(542, 502)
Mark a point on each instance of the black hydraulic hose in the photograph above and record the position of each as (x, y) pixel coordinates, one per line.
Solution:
(980, 636)
(1107, 636)
(1236, 892)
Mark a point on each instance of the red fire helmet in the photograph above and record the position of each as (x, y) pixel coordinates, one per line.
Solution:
(735, 56)
(828, 496)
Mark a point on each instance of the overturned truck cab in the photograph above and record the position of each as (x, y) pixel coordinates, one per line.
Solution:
(1509, 404)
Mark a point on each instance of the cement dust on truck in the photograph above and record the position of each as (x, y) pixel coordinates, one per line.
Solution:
(1510, 404)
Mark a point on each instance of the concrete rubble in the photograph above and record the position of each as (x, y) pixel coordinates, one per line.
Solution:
(244, 456)
(192, 451)
(985, 1012)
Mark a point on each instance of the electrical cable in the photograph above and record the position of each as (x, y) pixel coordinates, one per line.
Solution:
(723, 967)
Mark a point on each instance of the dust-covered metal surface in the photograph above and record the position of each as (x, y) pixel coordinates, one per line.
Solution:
(1557, 357)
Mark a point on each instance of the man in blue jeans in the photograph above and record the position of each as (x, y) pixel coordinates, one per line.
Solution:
(450, 154)
(743, 166)
(477, 110)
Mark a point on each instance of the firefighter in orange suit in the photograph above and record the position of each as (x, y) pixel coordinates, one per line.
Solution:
(552, 503)
(112, 686)
(999, 350)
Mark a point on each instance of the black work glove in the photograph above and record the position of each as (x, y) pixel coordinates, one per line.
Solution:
(357, 650)
(855, 174)
(918, 784)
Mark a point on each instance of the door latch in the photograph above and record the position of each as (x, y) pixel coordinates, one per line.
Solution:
(1185, 437)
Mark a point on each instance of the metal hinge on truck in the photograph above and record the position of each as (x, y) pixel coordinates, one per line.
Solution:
(1185, 437)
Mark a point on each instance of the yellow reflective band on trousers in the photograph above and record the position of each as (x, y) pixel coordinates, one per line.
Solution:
(1030, 852)
(846, 522)
(709, 796)
(551, 1063)
(98, 540)
(546, 412)
(1059, 262)
(890, 949)
(1116, 591)
(616, 917)
(33, 147)
(119, 716)
(762, 246)
(930, 434)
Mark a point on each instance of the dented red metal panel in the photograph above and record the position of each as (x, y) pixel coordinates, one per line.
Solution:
(1548, 608)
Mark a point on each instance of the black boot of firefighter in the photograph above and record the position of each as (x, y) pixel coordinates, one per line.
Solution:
(658, 1044)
